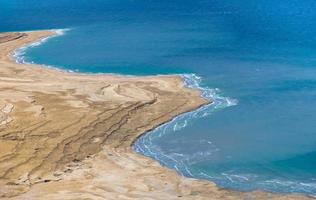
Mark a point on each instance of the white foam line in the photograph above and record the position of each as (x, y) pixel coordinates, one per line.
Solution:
(19, 54)
(144, 144)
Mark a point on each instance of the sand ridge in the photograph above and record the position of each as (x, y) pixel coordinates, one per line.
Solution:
(68, 135)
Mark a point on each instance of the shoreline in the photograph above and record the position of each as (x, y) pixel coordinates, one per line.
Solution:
(17, 53)
(53, 92)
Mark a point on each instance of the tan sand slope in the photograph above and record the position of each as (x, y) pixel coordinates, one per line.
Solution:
(69, 136)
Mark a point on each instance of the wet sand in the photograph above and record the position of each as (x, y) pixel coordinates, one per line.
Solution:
(69, 136)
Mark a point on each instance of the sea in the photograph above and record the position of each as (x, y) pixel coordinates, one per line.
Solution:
(256, 59)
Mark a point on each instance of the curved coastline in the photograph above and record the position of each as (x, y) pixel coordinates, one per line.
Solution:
(182, 187)
(18, 54)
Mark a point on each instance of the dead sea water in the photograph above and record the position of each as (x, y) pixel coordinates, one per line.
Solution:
(256, 59)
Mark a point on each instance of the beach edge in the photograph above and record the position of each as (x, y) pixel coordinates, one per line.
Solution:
(203, 193)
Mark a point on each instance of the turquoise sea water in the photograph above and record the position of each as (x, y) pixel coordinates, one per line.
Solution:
(256, 58)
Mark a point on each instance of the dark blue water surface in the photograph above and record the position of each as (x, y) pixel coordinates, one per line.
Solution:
(259, 52)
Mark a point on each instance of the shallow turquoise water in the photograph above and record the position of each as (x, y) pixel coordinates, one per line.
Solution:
(260, 53)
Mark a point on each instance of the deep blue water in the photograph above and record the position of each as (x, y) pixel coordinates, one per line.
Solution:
(259, 52)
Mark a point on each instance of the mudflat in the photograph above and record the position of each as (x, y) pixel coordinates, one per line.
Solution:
(69, 135)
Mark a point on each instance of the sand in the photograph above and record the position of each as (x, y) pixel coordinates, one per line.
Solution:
(69, 136)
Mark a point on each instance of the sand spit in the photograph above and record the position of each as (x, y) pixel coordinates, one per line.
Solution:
(69, 136)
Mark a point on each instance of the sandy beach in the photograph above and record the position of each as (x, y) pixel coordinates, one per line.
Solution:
(69, 136)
